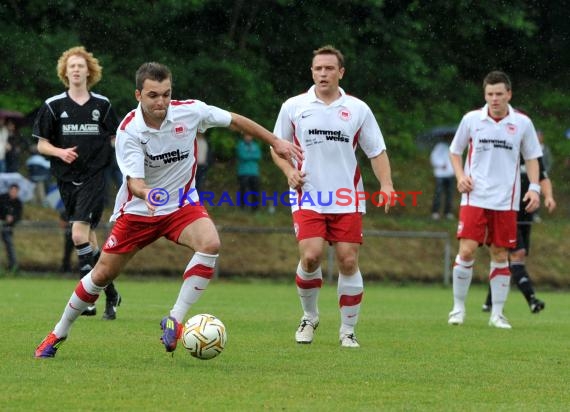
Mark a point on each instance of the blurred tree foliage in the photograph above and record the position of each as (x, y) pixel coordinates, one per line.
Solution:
(417, 64)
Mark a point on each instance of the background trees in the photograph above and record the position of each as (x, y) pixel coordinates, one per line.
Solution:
(416, 63)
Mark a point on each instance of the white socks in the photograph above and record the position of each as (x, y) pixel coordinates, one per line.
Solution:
(349, 291)
(308, 287)
(462, 275)
(197, 276)
(84, 295)
(499, 279)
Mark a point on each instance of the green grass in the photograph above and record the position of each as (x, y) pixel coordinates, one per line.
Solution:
(410, 358)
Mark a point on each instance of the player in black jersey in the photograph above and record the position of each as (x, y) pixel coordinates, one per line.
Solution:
(518, 254)
(76, 128)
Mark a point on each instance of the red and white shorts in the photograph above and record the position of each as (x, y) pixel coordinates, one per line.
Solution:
(490, 227)
(333, 227)
(132, 232)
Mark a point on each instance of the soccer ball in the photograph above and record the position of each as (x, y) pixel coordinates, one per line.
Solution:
(204, 336)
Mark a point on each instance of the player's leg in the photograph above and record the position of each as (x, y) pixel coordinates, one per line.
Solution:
(471, 233)
(191, 227)
(80, 236)
(350, 289)
(521, 278)
(502, 234)
(85, 294)
(310, 232)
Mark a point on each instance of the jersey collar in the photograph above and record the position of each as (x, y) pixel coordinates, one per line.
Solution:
(313, 96)
(141, 125)
(485, 113)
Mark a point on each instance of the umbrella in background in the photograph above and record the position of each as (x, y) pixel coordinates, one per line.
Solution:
(17, 117)
(428, 139)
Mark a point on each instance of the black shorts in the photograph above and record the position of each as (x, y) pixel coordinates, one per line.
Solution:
(523, 236)
(84, 201)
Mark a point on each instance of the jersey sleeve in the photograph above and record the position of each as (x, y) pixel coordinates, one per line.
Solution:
(461, 138)
(130, 155)
(530, 147)
(212, 116)
(44, 123)
(284, 128)
(371, 140)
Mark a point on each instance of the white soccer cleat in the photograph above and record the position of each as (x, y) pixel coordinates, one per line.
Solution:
(499, 321)
(456, 317)
(348, 340)
(306, 331)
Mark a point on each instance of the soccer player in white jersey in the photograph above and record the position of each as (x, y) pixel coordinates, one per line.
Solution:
(495, 136)
(156, 151)
(328, 125)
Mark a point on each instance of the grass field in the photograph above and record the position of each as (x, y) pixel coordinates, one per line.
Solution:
(410, 358)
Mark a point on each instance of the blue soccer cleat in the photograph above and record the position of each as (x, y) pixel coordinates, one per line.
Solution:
(172, 331)
(49, 346)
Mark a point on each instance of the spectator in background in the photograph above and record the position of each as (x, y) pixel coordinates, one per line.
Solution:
(14, 148)
(3, 144)
(444, 180)
(204, 160)
(39, 173)
(248, 156)
(10, 213)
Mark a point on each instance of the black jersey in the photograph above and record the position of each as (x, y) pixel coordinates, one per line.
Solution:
(90, 126)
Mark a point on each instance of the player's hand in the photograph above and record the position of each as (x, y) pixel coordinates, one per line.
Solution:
(465, 184)
(296, 179)
(388, 190)
(288, 151)
(550, 204)
(69, 155)
(532, 199)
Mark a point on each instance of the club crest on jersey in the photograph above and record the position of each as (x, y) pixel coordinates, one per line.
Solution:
(179, 130)
(111, 242)
(511, 128)
(344, 114)
(95, 115)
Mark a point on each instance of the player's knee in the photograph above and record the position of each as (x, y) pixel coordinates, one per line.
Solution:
(210, 246)
(311, 261)
(347, 264)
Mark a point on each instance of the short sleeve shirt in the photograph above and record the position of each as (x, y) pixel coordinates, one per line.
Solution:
(165, 158)
(89, 127)
(493, 156)
(329, 136)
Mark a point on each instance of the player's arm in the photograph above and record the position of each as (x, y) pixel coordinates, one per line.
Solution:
(295, 177)
(139, 188)
(532, 196)
(383, 172)
(464, 182)
(68, 155)
(281, 147)
(548, 194)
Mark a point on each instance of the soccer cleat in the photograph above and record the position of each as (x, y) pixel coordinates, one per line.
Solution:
(486, 308)
(306, 331)
(499, 321)
(90, 311)
(172, 331)
(536, 305)
(49, 346)
(348, 340)
(456, 318)
(111, 306)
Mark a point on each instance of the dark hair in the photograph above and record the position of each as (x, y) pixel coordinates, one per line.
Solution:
(328, 49)
(151, 71)
(14, 185)
(496, 77)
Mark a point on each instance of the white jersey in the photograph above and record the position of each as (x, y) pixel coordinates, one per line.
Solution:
(493, 156)
(329, 134)
(165, 158)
